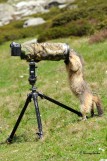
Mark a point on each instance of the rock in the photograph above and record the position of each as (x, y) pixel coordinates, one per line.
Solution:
(21, 5)
(14, 11)
(26, 43)
(62, 6)
(17, 9)
(28, 8)
(33, 22)
(6, 12)
(53, 4)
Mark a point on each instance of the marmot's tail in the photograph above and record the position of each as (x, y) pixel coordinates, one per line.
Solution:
(97, 101)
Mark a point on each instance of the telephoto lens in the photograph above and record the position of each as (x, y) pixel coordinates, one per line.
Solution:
(46, 51)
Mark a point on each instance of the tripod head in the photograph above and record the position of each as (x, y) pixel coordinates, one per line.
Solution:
(32, 74)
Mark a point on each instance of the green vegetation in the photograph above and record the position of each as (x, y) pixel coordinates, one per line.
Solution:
(15, 31)
(86, 19)
(3, 1)
(65, 137)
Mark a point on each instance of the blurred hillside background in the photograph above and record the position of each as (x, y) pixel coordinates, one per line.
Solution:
(67, 18)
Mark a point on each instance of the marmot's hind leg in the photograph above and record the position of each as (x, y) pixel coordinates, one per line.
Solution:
(92, 110)
(98, 105)
(99, 109)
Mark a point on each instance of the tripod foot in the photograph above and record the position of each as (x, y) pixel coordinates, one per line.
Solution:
(40, 135)
(9, 141)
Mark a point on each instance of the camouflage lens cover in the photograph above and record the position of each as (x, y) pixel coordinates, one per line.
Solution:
(46, 51)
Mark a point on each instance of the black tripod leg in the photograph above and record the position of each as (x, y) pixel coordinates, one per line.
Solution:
(35, 99)
(10, 138)
(60, 104)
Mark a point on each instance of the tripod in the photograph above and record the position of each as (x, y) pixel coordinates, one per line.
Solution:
(34, 95)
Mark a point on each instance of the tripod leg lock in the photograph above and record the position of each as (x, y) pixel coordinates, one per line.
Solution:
(41, 95)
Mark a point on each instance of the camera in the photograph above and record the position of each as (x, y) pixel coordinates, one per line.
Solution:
(40, 51)
(16, 50)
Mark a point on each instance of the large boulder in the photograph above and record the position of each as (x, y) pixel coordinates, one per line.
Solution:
(6, 12)
(25, 8)
(14, 10)
(34, 22)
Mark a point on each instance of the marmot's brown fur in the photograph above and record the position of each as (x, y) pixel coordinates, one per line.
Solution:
(79, 86)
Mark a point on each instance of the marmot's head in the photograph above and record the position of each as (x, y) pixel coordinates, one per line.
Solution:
(74, 61)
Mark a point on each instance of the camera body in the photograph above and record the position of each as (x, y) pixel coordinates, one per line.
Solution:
(15, 49)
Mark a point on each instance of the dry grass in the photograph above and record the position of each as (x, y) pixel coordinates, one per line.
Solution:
(98, 37)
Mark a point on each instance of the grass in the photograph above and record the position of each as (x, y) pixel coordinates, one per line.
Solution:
(65, 137)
